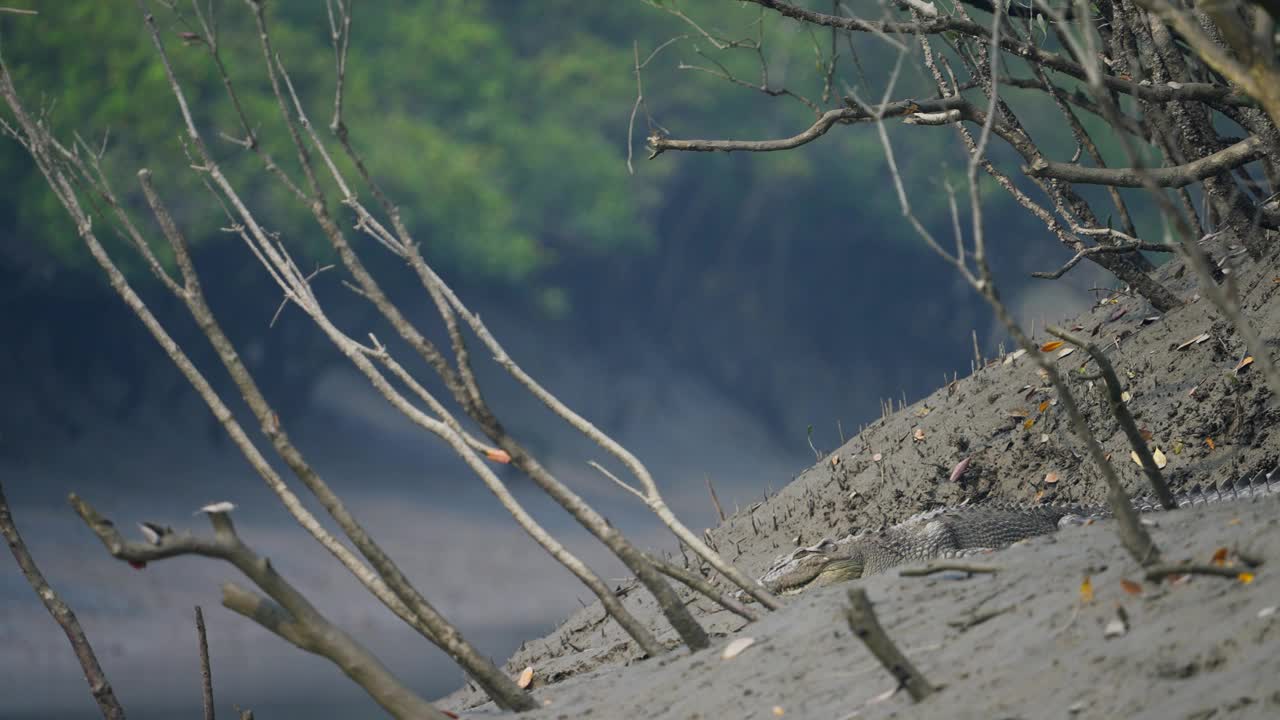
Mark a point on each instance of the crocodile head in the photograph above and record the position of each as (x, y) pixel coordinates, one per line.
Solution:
(807, 567)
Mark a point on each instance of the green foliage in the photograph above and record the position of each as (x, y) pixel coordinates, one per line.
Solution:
(498, 128)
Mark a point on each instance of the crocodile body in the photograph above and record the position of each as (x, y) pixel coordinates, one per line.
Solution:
(966, 530)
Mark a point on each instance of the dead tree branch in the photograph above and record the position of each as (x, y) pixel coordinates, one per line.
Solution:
(99, 687)
(287, 613)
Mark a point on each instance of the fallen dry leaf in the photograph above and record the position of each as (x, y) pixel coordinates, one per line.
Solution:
(1051, 346)
(1044, 406)
(1245, 578)
(918, 434)
(1115, 628)
(1027, 425)
(1044, 438)
(1130, 586)
(958, 470)
(1244, 363)
(1220, 557)
(1065, 352)
(1086, 590)
(1160, 458)
(1051, 478)
(1125, 396)
(778, 711)
(877, 457)
(526, 677)
(498, 456)
(1145, 433)
(1209, 441)
(1039, 496)
(735, 647)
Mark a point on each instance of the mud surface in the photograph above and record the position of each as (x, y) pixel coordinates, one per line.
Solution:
(1207, 647)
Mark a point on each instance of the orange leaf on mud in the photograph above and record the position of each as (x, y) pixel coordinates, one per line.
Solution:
(1220, 557)
(1245, 578)
(1051, 346)
(1130, 586)
(1209, 442)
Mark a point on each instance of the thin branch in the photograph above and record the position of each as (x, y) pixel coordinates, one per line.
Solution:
(206, 673)
(289, 614)
(1121, 412)
(99, 687)
(1177, 176)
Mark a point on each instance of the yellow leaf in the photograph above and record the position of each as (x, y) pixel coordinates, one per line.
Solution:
(1086, 590)
(778, 711)
(1027, 425)
(1245, 578)
(1044, 406)
(1133, 455)
(1244, 363)
(1209, 442)
(1160, 458)
(1051, 346)
(1125, 396)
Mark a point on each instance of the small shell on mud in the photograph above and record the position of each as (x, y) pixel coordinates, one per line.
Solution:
(734, 648)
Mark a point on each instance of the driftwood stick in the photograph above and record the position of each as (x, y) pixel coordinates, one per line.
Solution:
(1156, 573)
(62, 614)
(206, 675)
(863, 622)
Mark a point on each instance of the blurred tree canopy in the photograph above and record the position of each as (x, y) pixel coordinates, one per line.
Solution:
(499, 127)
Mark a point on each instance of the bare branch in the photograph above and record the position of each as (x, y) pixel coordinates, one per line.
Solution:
(1239, 154)
(99, 687)
(307, 627)
(206, 674)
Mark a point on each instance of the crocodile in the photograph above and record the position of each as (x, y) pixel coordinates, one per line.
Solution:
(966, 530)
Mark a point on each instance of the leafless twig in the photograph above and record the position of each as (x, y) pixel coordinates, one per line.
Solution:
(99, 687)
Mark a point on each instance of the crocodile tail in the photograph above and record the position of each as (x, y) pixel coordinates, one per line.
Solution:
(1245, 488)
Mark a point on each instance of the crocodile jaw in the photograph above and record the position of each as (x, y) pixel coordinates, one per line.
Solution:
(812, 570)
